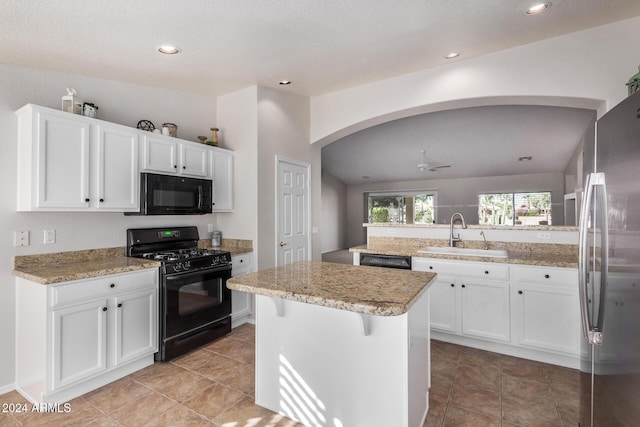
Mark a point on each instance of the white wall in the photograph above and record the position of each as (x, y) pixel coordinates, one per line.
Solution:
(581, 69)
(283, 129)
(238, 124)
(454, 195)
(334, 213)
(119, 102)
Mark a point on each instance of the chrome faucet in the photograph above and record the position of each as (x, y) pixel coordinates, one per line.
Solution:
(485, 246)
(453, 239)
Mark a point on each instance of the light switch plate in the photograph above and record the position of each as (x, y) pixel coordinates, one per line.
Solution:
(49, 237)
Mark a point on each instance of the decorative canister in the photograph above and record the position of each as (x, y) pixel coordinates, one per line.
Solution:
(71, 103)
(216, 239)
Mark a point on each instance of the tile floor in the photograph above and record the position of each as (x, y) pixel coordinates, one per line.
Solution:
(478, 388)
(214, 386)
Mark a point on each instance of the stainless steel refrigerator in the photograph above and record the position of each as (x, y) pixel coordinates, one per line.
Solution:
(610, 270)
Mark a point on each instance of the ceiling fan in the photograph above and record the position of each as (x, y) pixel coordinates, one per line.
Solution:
(431, 168)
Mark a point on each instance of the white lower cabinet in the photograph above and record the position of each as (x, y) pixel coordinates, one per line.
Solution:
(547, 308)
(240, 301)
(79, 343)
(469, 299)
(484, 308)
(73, 337)
(524, 311)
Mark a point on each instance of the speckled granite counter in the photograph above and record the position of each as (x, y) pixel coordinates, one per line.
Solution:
(378, 291)
(66, 266)
(540, 254)
(234, 246)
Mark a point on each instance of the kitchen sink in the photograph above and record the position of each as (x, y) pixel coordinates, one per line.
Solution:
(447, 250)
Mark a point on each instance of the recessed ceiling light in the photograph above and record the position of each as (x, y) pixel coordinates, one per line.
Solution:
(452, 55)
(366, 177)
(284, 82)
(538, 8)
(168, 49)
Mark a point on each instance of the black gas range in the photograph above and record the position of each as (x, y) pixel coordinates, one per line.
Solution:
(194, 301)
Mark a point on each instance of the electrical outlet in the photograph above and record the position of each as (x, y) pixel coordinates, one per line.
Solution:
(49, 237)
(21, 238)
(209, 228)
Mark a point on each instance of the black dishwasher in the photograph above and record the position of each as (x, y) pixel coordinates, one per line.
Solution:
(388, 261)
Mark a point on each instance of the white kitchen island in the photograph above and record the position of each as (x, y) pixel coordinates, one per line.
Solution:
(341, 345)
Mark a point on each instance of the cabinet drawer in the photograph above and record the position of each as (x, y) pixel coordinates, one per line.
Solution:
(547, 276)
(462, 268)
(241, 264)
(83, 290)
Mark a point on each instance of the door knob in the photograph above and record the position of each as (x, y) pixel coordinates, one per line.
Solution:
(282, 244)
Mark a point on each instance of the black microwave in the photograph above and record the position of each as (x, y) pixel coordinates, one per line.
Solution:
(174, 195)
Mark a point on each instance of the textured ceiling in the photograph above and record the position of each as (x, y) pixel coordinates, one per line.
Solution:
(320, 45)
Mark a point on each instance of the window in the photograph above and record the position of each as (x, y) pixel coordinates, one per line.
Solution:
(402, 208)
(514, 209)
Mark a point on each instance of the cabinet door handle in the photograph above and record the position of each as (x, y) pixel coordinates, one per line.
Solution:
(184, 167)
(546, 276)
(520, 292)
(119, 304)
(430, 267)
(175, 166)
(113, 285)
(486, 272)
(101, 200)
(453, 286)
(464, 286)
(87, 200)
(104, 308)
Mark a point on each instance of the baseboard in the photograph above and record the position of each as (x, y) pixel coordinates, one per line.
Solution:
(7, 388)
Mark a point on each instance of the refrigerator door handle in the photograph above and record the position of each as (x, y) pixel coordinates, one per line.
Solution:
(595, 189)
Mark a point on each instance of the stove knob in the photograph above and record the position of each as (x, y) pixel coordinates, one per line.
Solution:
(177, 266)
(187, 265)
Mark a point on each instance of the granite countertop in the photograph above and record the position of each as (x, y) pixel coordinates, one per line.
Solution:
(48, 272)
(546, 255)
(60, 267)
(370, 290)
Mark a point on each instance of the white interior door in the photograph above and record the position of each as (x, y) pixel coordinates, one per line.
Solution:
(292, 211)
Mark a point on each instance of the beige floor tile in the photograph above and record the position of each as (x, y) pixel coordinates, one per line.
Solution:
(246, 332)
(435, 416)
(234, 349)
(143, 410)
(480, 359)
(523, 368)
(193, 360)
(175, 382)
(522, 388)
(460, 417)
(488, 378)
(217, 367)
(7, 420)
(475, 399)
(213, 401)
(112, 397)
(242, 378)
(527, 413)
(247, 413)
(179, 416)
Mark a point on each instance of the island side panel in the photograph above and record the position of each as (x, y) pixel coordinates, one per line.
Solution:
(419, 360)
(315, 365)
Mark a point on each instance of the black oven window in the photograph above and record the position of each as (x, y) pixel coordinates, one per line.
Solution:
(194, 298)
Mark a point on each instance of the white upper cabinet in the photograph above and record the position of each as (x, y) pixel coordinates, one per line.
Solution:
(167, 155)
(117, 175)
(73, 163)
(221, 172)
